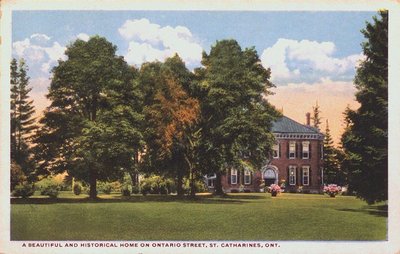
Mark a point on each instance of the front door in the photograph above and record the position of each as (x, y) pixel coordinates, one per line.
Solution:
(269, 177)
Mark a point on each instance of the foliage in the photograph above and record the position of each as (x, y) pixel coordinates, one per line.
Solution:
(21, 118)
(274, 188)
(156, 185)
(331, 161)
(126, 191)
(316, 116)
(23, 190)
(171, 117)
(77, 188)
(104, 187)
(16, 174)
(51, 191)
(365, 140)
(235, 117)
(91, 129)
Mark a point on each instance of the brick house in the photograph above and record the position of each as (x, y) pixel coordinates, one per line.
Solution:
(297, 160)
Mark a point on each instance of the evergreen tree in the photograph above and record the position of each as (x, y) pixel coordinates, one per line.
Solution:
(365, 141)
(21, 117)
(316, 116)
(331, 162)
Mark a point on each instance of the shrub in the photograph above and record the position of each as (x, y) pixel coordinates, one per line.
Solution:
(135, 189)
(126, 192)
(234, 191)
(51, 191)
(77, 188)
(104, 187)
(247, 190)
(23, 190)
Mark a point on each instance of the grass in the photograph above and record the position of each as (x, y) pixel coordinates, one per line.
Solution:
(244, 216)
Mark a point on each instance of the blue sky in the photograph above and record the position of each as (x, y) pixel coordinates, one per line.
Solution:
(311, 54)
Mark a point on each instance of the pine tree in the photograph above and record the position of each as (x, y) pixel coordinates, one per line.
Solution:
(21, 116)
(316, 116)
(366, 139)
(331, 162)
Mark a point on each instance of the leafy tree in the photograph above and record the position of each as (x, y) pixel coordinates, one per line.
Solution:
(316, 116)
(236, 119)
(21, 117)
(92, 127)
(331, 161)
(171, 115)
(366, 139)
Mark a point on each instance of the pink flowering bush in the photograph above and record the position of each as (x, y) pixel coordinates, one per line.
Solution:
(274, 189)
(332, 189)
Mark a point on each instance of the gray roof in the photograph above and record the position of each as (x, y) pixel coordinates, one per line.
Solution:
(286, 125)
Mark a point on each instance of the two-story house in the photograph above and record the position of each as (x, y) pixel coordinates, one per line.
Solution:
(297, 160)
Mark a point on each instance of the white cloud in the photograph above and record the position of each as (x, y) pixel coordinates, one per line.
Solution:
(39, 57)
(83, 36)
(40, 37)
(150, 41)
(311, 58)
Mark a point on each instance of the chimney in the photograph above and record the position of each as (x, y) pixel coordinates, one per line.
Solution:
(308, 116)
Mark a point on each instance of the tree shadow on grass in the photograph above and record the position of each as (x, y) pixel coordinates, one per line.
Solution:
(380, 210)
(140, 199)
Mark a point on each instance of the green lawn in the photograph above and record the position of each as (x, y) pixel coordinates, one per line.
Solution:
(250, 216)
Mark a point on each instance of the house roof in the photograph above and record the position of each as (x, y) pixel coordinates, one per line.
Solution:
(286, 125)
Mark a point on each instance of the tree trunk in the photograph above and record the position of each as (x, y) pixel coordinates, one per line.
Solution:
(93, 183)
(179, 182)
(218, 184)
(192, 184)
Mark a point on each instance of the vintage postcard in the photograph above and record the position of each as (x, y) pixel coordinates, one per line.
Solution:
(199, 127)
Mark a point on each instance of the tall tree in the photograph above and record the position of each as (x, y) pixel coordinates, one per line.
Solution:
(236, 119)
(366, 139)
(171, 114)
(316, 116)
(331, 162)
(21, 116)
(92, 127)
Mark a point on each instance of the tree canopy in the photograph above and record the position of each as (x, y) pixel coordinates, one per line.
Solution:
(92, 127)
(366, 138)
(236, 117)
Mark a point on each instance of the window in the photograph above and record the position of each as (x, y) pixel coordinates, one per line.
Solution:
(306, 149)
(306, 175)
(210, 183)
(247, 176)
(292, 175)
(275, 149)
(233, 176)
(292, 149)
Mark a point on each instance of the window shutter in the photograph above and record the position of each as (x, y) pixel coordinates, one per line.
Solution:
(309, 176)
(279, 149)
(287, 149)
(229, 176)
(301, 150)
(251, 178)
(288, 177)
(309, 150)
(301, 182)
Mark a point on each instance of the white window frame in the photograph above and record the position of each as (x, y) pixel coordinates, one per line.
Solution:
(292, 149)
(247, 177)
(306, 149)
(292, 175)
(234, 175)
(276, 149)
(306, 173)
(210, 182)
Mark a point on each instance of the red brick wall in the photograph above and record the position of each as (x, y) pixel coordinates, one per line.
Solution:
(283, 163)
